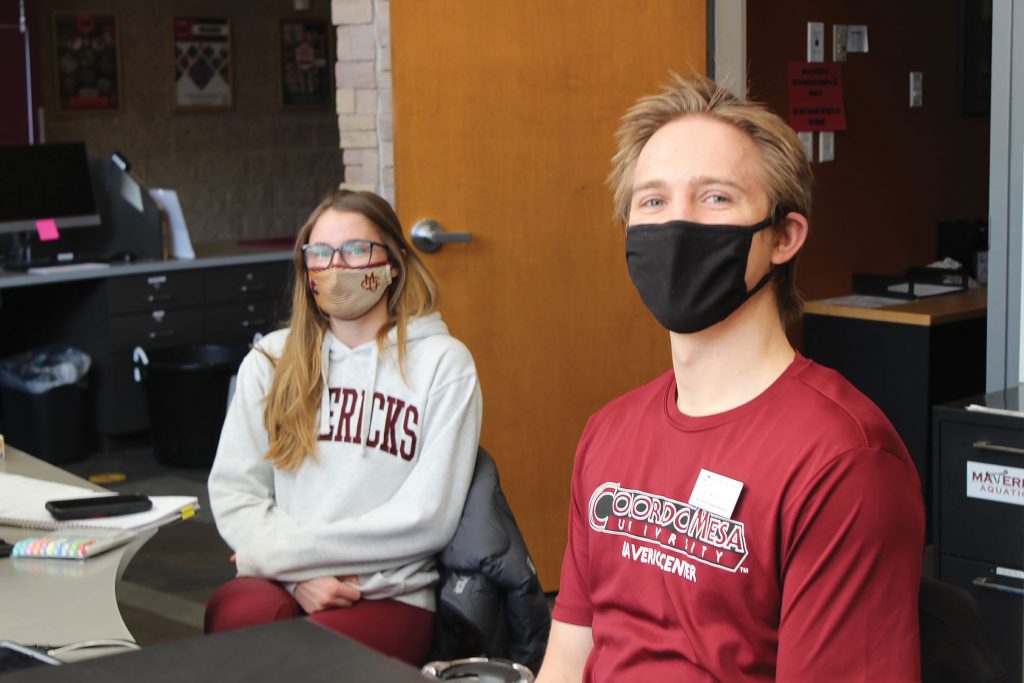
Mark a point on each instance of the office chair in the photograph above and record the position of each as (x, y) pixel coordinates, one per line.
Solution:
(955, 647)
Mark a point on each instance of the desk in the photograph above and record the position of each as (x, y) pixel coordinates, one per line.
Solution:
(905, 357)
(57, 602)
(224, 296)
(293, 650)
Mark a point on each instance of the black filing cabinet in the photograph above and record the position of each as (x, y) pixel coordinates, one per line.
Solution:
(978, 509)
(226, 304)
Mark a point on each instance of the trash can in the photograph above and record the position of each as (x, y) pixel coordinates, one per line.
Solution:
(43, 393)
(186, 391)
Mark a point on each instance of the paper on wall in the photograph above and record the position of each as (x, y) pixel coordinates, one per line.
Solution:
(181, 244)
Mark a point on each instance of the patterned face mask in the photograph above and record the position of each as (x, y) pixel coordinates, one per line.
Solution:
(347, 293)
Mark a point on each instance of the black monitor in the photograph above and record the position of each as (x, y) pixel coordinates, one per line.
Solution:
(42, 182)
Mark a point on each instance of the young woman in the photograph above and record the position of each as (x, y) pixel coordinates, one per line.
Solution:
(350, 442)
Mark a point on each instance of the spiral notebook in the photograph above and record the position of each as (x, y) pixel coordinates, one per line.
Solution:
(23, 504)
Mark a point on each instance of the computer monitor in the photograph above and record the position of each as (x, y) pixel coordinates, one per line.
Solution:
(44, 182)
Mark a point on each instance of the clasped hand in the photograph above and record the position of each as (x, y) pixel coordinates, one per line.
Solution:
(327, 592)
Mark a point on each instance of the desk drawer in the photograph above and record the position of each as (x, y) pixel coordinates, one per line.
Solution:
(154, 292)
(237, 323)
(997, 591)
(158, 329)
(244, 283)
(973, 527)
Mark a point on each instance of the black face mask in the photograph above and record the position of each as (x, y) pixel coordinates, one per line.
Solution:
(691, 275)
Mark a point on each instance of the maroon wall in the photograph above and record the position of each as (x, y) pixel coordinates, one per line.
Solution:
(898, 171)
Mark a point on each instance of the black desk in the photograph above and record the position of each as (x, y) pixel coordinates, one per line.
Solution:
(223, 296)
(905, 357)
(295, 650)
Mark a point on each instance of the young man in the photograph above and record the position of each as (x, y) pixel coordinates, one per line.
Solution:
(749, 515)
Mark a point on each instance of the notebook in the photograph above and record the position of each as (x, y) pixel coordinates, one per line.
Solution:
(72, 544)
(23, 500)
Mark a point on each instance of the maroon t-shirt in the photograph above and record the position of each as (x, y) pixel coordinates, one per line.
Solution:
(812, 577)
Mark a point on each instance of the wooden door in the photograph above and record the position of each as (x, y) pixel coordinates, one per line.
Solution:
(504, 115)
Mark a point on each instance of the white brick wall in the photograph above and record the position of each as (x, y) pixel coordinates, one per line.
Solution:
(364, 94)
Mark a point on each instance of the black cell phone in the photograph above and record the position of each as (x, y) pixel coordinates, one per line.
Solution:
(99, 506)
(14, 657)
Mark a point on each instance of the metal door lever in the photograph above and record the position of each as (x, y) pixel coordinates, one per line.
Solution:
(428, 235)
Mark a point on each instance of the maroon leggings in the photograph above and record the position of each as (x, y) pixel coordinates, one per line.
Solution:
(394, 628)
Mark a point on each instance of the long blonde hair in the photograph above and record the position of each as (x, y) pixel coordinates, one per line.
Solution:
(292, 404)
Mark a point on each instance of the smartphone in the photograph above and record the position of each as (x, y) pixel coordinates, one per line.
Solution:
(14, 657)
(99, 506)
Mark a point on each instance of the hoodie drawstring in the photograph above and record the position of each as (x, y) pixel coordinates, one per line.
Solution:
(325, 397)
(371, 389)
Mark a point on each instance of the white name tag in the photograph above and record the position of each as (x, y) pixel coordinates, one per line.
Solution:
(716, 493)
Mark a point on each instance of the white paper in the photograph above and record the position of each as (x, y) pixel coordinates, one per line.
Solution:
(922, 289)
(23, 503)
(998, 483)
(181, 244)
(857, 38)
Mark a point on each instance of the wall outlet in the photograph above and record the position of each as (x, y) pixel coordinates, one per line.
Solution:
(839, 35)
(815, 41)
(826, 146)
(807, 138)
(916, 89)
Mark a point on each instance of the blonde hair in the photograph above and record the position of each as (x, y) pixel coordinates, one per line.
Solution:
(292, 404)
(784, 168)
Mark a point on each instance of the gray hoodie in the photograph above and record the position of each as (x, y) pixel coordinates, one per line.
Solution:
(385, 490)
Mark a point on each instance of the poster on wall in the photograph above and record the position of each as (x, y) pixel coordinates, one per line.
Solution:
(305, 53)
(815, 91)
(202, 63)
(86, 61)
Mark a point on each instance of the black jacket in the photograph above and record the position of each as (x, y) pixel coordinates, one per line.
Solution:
(490, 601)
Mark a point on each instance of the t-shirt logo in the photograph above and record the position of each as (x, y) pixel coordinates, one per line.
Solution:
(680, 527)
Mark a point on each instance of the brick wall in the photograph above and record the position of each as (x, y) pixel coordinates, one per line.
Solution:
(253, 171)
(363, 78)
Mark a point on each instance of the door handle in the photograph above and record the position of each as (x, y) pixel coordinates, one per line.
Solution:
(985, 582)
(428, 235)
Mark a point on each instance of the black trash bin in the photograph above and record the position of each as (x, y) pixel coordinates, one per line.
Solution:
(43, 392)
(187, 395)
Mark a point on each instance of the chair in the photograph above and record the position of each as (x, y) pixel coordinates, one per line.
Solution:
(954, 643)
(490, 602)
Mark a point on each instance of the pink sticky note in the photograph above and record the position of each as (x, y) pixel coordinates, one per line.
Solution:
(47, 229)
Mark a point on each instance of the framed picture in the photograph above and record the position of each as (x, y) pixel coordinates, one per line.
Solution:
(202, 63)
(86, 61)
(306, 62)
(975, 64)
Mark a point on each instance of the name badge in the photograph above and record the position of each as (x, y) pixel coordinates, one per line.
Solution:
(716, 493)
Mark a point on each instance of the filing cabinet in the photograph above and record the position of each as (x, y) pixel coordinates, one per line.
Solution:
(204, 305)
(978, 496)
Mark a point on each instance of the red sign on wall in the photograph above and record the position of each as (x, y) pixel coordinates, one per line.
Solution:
(816, 96)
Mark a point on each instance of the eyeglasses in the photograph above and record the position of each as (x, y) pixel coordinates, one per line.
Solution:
(354, 253)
